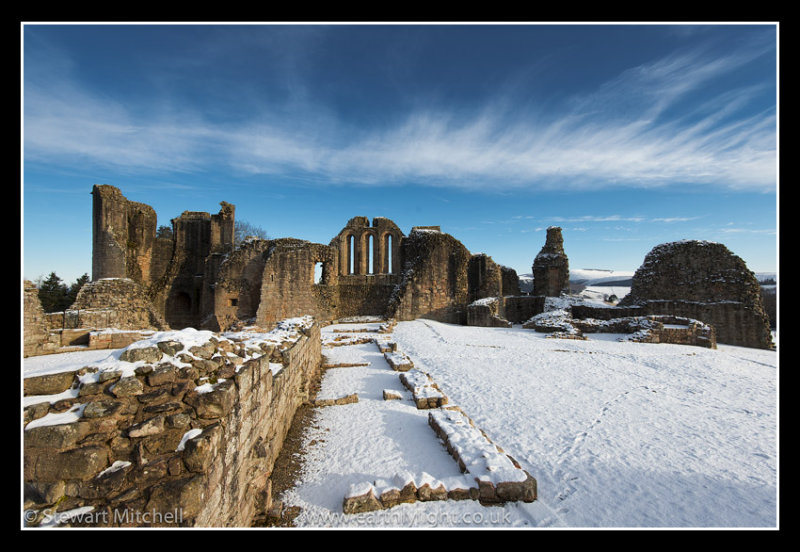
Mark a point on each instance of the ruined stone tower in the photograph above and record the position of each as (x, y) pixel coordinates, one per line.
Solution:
(551, 266)
(176, 273)
(704, 281)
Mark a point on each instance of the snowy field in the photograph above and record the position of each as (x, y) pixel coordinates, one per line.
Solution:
(617, 434)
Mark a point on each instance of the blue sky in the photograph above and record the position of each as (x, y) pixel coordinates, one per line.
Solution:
(626, 136)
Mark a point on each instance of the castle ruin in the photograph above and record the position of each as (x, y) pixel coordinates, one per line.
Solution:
(197, 427)
(200, 278)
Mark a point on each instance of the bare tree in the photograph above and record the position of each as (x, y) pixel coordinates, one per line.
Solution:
(244, 230)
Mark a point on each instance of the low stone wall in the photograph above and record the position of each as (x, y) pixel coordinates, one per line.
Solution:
(127, 316)
(517, 309)
(424, 390)
(183, 436)
(500, 478)
(396, 360)
(490, 476)
(485, 313)
(36, 336)
(76, 339)
(502, 312)
(605, 313)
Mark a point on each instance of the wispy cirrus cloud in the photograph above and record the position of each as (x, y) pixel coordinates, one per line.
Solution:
(634, 131)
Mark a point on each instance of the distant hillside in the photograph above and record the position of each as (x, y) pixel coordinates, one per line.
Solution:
(582, 278)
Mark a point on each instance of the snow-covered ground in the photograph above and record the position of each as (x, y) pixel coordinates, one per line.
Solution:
(617, 434)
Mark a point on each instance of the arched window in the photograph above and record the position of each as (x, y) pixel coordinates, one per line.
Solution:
(388, 254)
(351, 261)
(370, 254)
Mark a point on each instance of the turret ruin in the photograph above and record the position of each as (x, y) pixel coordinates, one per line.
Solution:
(551, 266)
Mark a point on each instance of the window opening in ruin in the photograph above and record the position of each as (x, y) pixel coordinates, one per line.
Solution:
(233, 302)
(318, 273)
(371, 254)
(388, 254)
(350, 256)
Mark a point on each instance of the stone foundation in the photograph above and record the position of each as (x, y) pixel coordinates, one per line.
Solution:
(642, 329)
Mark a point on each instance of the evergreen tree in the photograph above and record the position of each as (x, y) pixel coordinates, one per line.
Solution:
(72, 294)
(52, 293)
(164, 231)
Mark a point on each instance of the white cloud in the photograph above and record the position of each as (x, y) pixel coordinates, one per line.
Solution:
(618, 136)
(748, 231)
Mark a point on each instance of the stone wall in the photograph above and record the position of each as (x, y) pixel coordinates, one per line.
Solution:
(287, 283)
(502, 312)
(187, 435)
(489, 279)
(486, 313)
(521, 308)
(365, 295)
(485, 277)
(704, 281)
(126, 317)
(118, 303)
(435, 278)
(36, 337)
(657, 328)
(510, 281)
(237, 289)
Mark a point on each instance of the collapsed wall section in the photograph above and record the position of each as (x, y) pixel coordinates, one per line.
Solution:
(119, 303)
(183, 431)
(502, 312)
(107, 313)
